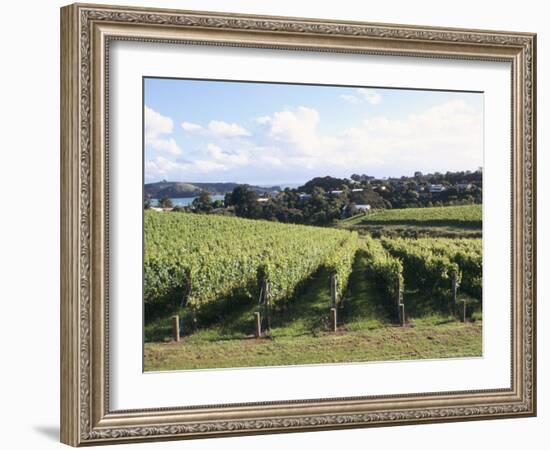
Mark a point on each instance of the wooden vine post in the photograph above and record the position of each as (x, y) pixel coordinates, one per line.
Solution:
(454, 290)
(333, 317)
(265, 309)
(402, 314)
(267, 304)
(333, 291)
(176, 328)
(463, 311)
(258, 325)
(399, 302)
(333, 320)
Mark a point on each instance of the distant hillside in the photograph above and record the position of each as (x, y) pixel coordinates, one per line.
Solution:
(174, 189)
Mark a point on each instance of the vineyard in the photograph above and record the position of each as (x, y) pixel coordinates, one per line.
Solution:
(444, 221)
(198, 259)
(297, 289)
(468, 215)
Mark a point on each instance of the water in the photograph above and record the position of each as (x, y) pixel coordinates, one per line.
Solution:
(187, 201)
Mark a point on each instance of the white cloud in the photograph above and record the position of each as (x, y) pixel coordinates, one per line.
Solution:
(363, 95)
(165, 145)
(228, 159)
(293, 144)
(263, 120)
(156, 127)
(160, 166)
(188, 126)
(211, 159)
(205, 166)
(226, 130)
(217, 129)
(370, 96)
(350, 98)
(156, 124)
(447, 136)
(296, 129)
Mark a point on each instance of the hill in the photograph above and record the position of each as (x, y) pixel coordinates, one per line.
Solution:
(176, 189)
(444, 221)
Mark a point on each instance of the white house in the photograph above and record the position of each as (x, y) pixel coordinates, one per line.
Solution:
(463, 186)
(436, 188)
(363, 207)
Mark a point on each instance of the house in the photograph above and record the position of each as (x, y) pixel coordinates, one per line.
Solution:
(436, 188)
(303, 196)
(263, 200)
(357, 190)
(336, 192)
(363, 207)
(463, 186)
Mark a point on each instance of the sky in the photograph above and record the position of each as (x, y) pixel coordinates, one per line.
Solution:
(267, 133)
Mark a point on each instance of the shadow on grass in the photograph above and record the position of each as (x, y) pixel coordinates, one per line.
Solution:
(466, 224)
(367, 307)
(230, 318)
(233, 317)
(308, 312)
(437, 308)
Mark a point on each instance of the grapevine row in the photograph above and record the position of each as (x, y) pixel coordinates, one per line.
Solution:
(467, 254)
(207, 258)
(422, 267)
(387, 269)
(435, 254)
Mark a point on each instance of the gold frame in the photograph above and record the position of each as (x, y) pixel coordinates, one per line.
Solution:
(86, 31)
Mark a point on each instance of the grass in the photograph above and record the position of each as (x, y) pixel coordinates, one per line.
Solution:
(299, 335)
(444, 221)
(446, 340)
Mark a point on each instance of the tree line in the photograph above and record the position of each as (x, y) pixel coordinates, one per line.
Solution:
(324, 200)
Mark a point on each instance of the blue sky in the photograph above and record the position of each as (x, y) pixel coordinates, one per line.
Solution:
(263, 133)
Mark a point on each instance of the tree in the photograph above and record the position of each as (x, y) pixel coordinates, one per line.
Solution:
(216, 204)
(367, 197)
(227, 200)
(165, 203)
(147, 203)
(203, 203)
(327, 183)
(245, 202)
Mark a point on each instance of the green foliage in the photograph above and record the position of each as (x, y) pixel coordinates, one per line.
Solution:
(245, 202)
(387, 270)
(203, 203)
(165, 202)
(467, 215)
(326, 183)
(205, 258)
(340, 261)
(467, 254)
(423, 268)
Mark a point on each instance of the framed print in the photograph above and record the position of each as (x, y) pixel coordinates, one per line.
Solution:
(279, 224)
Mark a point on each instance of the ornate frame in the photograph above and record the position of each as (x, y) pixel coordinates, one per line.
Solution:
(86, 31)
